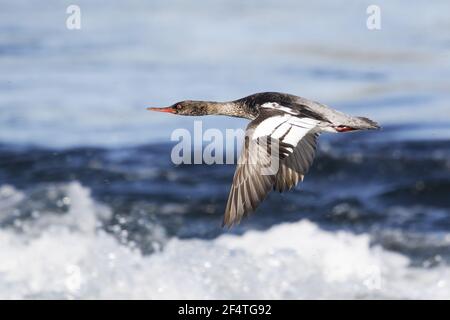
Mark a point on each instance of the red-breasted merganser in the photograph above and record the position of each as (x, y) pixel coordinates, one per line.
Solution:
(294, 123)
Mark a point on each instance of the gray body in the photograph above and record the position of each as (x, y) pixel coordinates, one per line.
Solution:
(291, 122)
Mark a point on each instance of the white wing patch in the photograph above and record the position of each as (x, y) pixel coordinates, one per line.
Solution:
(276, 106)
(281, 130)
(286, 128)
(266, 127)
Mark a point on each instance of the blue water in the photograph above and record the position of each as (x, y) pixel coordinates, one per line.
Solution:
(92, 207)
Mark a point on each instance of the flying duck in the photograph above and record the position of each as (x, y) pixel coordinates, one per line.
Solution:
(283, 131)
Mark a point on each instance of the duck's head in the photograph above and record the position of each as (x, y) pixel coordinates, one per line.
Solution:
(188, 108)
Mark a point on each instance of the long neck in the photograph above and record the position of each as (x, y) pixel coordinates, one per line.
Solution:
(232, 108)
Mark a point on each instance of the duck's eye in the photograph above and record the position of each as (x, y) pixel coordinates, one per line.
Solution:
(179, 106)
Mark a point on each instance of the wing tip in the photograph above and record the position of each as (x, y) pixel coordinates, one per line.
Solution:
(369, 124)
(229, 223)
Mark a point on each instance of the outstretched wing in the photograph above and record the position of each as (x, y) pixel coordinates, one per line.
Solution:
(274, 140)
(293, 168)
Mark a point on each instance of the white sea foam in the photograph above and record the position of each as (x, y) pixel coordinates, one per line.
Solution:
(72, 258)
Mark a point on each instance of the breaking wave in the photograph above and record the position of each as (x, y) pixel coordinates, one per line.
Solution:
(70, 255)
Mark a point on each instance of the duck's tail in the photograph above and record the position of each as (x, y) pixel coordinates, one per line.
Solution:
(363, 123)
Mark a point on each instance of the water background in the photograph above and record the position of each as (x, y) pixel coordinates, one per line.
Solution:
(92, 207)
